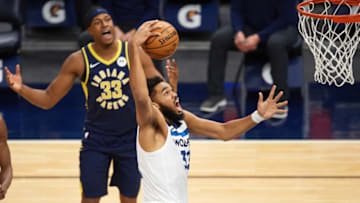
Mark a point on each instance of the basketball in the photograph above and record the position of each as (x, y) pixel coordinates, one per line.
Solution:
(162, 46)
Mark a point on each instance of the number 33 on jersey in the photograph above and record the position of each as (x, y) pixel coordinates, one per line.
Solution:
(106, 80)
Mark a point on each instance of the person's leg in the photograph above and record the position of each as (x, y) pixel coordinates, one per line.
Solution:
(277, 49)
(125, 199)
(126, 177)
(94, 169)
(221, 43)
(89, 200)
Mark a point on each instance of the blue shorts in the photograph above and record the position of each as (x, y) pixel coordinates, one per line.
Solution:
(95, 156)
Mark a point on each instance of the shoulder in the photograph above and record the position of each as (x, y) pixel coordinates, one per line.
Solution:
(182, 125)
(192, 121)
(188, 116)
(74, 63)
(75, 57)
(2, 121)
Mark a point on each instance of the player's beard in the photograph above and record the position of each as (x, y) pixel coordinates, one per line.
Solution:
(171, 115)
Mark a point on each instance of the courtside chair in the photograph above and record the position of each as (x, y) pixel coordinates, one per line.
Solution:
(10, 27)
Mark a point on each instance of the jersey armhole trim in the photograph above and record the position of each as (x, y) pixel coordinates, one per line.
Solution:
(127, 54)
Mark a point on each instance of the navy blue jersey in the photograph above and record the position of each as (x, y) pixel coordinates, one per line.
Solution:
(109, 102)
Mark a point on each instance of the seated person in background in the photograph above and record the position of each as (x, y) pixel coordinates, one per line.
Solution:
(163, 137)
(266, 26)
(6, 173)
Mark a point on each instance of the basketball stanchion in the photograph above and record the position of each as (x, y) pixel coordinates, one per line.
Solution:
(331, 29)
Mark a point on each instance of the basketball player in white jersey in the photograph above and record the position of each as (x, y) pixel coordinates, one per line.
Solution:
(163, 146)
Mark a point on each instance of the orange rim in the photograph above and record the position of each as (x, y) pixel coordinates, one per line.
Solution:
(336, 18)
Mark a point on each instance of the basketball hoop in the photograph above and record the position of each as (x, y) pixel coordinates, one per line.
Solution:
(331, 29)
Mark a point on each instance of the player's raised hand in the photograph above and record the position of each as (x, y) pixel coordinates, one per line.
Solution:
(172, 73)
(145, 31)
(271, 105)
(14, 80)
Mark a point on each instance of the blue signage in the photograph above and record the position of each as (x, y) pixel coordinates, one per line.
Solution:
(192, 17)
(51, 13)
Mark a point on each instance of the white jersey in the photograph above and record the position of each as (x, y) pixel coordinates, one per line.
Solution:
(165, 170)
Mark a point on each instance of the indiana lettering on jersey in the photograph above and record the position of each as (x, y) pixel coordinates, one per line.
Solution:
(110, 81)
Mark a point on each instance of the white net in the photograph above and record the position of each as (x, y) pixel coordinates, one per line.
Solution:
(333, 44)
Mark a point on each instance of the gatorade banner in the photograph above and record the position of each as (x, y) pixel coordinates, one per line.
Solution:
(51, 13)
(192, 17)
(11, 63)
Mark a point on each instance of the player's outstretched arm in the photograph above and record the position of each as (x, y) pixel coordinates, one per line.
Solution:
(144, 109)
(6, 173)
(138, 87)
(73, 67)
(231, 129)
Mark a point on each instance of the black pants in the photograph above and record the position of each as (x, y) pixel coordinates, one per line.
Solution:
(276, 49)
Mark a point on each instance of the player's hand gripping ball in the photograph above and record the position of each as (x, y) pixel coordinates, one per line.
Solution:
(162, 46)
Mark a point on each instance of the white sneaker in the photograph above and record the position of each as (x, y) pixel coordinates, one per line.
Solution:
(266, 74)
(213, 103)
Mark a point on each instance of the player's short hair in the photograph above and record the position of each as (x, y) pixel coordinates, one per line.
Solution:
(152, 82)
(94, 11)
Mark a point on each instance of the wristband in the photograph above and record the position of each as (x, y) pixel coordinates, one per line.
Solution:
(255, 116)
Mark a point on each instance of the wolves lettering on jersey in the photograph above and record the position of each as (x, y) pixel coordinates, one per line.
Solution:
(181, 137)
(109, 102)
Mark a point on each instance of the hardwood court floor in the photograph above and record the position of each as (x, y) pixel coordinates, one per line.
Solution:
(236, 171)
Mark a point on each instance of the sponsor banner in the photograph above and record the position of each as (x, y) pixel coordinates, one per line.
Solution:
(11, 63)
(192, 17)
(51, 13)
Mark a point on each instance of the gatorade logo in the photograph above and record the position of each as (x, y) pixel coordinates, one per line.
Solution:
(53, 12)
(1, 71)
(189, 16)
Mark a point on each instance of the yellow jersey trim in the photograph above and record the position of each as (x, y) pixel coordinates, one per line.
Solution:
(106, 62)
(81, 188)
(87, 71)
(127, 54)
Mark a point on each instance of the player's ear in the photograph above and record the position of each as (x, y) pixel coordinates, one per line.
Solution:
(90, 30)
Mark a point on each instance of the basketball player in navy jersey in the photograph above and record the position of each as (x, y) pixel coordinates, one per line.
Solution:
(163, 145)
(110, 124)
(6, 173)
